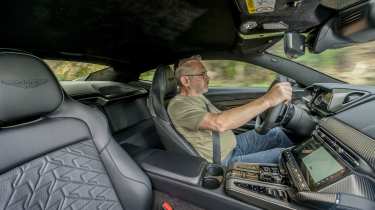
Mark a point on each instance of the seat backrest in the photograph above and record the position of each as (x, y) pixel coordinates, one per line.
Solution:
(56, 153)
(164, 87)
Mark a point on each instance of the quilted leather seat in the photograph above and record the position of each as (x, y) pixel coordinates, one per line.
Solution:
(56, 153)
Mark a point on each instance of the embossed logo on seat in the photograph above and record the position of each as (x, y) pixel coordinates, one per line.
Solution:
(25, 83)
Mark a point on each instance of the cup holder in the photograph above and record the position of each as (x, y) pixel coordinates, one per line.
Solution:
(214, 170)
(213, 176)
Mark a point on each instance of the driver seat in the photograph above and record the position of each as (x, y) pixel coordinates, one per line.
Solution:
(163, 88)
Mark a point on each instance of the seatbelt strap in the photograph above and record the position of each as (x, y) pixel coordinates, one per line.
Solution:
(216, 147)
(216, 153)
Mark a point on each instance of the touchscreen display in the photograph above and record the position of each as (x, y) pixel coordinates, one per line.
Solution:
(317, 164)
(320, 164)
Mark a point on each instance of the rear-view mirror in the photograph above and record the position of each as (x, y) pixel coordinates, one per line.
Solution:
(294, 44)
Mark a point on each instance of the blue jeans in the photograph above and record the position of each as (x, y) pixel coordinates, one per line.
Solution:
(255, 148)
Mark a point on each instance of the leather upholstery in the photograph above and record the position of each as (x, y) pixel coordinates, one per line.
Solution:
(80, 183)
(65, 156)
(164, 87)
(24, 88)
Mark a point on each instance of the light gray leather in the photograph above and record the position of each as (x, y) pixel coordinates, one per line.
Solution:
(63, 156)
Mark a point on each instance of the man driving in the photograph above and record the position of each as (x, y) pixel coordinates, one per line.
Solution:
(195, 118)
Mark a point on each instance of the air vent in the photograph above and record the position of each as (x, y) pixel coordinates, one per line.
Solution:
(327, 139)
(336, 146)
(351, 17)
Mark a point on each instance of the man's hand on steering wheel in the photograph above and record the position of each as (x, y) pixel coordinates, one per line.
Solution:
(279, 94)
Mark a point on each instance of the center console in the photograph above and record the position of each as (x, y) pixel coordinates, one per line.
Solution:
(245, 180)
(313, 174)
(242, 186)
(306, 168)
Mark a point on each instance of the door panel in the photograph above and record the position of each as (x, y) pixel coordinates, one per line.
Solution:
(226, 98)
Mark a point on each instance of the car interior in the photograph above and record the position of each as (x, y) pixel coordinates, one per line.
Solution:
(105, 140)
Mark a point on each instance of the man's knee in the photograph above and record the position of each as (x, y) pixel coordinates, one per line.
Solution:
(268, 156)
(281, 137)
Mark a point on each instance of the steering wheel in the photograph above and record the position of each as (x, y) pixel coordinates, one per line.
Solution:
(272, 117)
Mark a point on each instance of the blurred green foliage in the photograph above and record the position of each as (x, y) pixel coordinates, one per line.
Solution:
(225, 73)
(354, 64)
(70, 70)
(148, 75)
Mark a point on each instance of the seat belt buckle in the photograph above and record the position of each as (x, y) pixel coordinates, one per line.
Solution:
(166, 206)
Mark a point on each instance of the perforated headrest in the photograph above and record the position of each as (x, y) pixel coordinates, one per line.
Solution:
(164, 81)
(28, 88)
(163, 86)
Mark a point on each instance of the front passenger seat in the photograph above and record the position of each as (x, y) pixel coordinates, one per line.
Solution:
(56, 153)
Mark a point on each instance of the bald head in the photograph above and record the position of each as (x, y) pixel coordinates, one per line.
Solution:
(191, 76)
(188, 66)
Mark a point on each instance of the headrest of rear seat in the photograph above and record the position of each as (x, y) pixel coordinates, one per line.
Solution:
(28, 88)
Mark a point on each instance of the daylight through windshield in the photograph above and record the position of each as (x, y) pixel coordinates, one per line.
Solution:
(354, 64)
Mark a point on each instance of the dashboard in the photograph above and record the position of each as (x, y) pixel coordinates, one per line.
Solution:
(338, 158)
(328, 99)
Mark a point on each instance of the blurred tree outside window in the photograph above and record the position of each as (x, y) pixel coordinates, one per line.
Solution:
(72, 70)
(227, 73)
(354, 64)
(148, 75)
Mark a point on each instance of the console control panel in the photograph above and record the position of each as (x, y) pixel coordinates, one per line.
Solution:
(264, 190)
(247, 179)
(264, 173)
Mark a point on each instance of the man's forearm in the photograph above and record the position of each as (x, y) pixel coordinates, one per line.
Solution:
(236, 117)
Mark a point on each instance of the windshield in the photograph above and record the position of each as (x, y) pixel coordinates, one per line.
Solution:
(354, 64)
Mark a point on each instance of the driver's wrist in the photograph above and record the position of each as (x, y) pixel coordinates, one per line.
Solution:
(266, 102)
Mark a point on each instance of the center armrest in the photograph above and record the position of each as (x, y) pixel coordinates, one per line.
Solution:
(183, 168)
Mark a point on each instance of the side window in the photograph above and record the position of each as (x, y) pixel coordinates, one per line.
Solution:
(148, 75)
(226, 73)
(71, 70)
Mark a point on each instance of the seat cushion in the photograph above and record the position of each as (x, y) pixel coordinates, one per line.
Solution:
(70, 178)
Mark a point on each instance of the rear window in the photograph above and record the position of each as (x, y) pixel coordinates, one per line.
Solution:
(148, 75)
(72, 70)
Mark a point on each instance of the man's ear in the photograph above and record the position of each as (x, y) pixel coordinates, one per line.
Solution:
(185, 81)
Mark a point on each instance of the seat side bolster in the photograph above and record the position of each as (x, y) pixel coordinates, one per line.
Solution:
(125, 174)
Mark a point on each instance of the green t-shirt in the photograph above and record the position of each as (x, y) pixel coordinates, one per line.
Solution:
(186, 113)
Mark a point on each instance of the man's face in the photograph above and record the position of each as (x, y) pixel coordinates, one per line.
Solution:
(198, 77)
